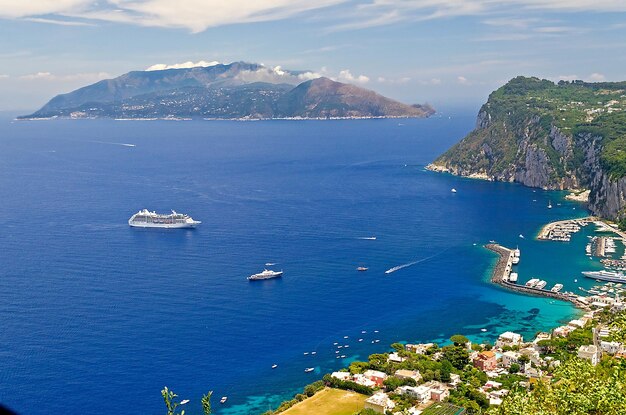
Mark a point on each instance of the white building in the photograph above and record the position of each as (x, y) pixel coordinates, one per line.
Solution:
(379, 402)
(510, 357)
(610, 347)
(395, 358)
(418, 348)
(409, 374)
(362, 380)
(509, 339)
(589, 352)
(342, 375)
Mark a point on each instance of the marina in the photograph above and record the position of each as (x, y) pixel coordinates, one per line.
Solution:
(562, 230)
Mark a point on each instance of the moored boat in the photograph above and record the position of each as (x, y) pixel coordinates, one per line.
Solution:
(265, 275)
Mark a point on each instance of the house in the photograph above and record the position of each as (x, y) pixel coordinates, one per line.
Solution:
(610, 347)
(418, 392)
(454, 380)
(439, 395)
(379, 402)
(362, 380)
(577, 324)
(589, 352)
(509, 339)
(532, 354)
(375, 376)
(491, 384)
(562, 331)
(409, 374)
(485, 361)
(542, 336)
(510, 357)
(395, 358)
(422, 393)
(342, 375)
(419, 348)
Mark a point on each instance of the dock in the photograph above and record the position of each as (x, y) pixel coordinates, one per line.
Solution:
(502, 273)
(562, 230)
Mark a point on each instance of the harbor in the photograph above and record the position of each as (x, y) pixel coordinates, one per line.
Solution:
(504, 276)
(562, 230)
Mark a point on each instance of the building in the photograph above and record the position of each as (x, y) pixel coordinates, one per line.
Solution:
(589, 352)
(409, 374)
(562, 331)
(379, 402)
(419, 348)
(542, 336)
(454, 380)
(485, 361)
(395, 358)
(577, 324)
(510, 357)
(375, 376)
(532, 354)
(362, 380)
(610, 347)
(342, 375)
(509, 339)
(439, 394)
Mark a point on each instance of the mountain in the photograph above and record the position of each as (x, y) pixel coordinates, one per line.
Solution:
(225, 91)
(570, 135)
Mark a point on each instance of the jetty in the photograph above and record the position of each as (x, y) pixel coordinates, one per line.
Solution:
(562, 230)
(502, 276)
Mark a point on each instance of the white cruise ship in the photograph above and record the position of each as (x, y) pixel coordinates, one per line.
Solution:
(606, 276)
(146, 219)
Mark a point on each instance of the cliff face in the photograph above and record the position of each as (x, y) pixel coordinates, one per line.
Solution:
(544, 135)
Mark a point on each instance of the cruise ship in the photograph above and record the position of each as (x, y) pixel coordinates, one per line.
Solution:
(605, 275)
(146, 219)
(265, 275)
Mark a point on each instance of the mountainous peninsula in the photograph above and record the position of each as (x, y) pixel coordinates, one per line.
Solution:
(569, 135)
(238, 90)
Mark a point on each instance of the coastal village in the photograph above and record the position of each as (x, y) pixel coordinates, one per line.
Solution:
(466, 378)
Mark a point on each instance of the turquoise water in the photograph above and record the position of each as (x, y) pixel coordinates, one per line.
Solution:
(101, 315)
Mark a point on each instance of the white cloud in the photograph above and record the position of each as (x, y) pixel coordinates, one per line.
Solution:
(183, 65)
(56, 22)
(198, 15)
(2, 76)
(597, 77)
(462, 80)
(402, 80)
(77, 77)
(346, 76)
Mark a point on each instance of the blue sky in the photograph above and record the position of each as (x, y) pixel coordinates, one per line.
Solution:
(447, 52)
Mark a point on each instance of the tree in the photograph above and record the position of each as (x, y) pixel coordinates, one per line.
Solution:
(446, 370)
(457, 355)
(459, 340)
(206, 403)
(514, 368)
(168, 397)
(398, 347)
(523, 359)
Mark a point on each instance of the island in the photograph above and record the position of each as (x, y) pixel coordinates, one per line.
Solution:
(554, 136)
(238, 90)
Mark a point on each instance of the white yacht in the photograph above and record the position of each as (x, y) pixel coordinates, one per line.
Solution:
(146, 219)
(265, 275)
(556, 288)
(541, 284)
(605, 275)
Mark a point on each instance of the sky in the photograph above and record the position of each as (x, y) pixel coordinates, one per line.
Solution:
(445, 52)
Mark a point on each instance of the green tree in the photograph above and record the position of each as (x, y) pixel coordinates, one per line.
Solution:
(446, 370)
(457, 355)
(514, 368)
(168, 397)
(206, 403)
(398, 347)
(459, 340)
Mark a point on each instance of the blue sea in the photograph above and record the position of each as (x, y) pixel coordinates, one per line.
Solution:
(97, 317)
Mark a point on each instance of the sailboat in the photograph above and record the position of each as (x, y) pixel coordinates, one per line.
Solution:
(550, 205)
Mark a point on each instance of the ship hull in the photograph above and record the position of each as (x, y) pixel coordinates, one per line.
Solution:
(163, 225)
(261, 278)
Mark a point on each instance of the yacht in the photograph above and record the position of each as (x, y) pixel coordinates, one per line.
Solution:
(265, 275)
(605, 275)
(224, 399)
(274, 366)
(541, 284)
(309, 369)
(362, 269)
(531, 283)
(550, 205)
(146, 219)
(453, 190)
(556, 288)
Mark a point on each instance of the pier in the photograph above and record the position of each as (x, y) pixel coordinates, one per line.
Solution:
(562, 230)
(502, 273)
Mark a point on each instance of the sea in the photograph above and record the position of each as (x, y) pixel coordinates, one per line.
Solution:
(98, 317)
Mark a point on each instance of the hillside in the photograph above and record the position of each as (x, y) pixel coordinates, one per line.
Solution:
(570, 135)
(234, 91)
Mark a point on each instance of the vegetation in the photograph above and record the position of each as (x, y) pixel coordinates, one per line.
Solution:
(171, 403)
(307, 392)
(577, 388)
(527, 110)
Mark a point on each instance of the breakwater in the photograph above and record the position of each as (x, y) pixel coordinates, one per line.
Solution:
(502, 272)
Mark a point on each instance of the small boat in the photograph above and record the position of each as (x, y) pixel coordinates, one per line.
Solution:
(453, 190)
(375, 331)
(339, 347)
(309, 369)
(362, 269)
(184, 401)
(335, 344)
(363, 331)
(345, 337)
(224, 399)
(360, 340)
(346, 346)
(336, 351)
(313, 352)
(483, 330)
(305, 353)
(550, 205)
(521, 236)
(343, 356)
(274, 366)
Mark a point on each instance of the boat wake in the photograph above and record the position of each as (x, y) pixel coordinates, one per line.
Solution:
(115, 144)
(367, 238)
(399, 267)
(410, 264)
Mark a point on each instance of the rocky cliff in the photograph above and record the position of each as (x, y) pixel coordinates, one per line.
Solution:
(551, 136)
